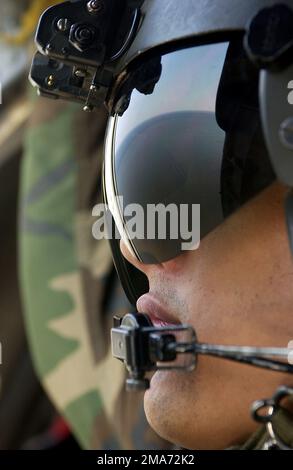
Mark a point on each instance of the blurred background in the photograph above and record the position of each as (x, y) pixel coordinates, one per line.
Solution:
(25, 411)
(59, 289)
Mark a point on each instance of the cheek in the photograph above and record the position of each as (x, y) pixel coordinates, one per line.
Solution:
(236, 285)
(181, 406)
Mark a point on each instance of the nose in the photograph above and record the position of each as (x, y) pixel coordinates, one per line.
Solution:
(131, 258)
(150, 270)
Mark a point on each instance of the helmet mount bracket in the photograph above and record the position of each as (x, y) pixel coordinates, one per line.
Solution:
(78, 42)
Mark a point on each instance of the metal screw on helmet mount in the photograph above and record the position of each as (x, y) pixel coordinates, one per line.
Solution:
(80, 73)
(83, 35)
(95, 7)
(63, 24)
(50, 80)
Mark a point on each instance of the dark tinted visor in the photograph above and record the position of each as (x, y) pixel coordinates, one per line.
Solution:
(186, 132)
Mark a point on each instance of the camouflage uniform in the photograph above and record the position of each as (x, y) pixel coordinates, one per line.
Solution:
(70, 290)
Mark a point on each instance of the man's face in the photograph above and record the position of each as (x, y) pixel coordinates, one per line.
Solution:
(236, 289)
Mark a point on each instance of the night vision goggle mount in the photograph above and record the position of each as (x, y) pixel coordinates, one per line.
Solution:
(144, 348)
(78, 42)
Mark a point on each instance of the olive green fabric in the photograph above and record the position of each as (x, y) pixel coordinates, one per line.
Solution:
(69, 287)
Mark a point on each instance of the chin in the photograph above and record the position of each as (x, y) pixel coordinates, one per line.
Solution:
(165, 408)
(178, 409)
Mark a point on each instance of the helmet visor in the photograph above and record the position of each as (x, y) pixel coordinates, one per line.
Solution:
(185, 130)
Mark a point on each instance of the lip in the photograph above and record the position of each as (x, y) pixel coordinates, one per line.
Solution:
(151, 306)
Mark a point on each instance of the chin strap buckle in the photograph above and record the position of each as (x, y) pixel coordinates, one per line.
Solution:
(273, 417)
